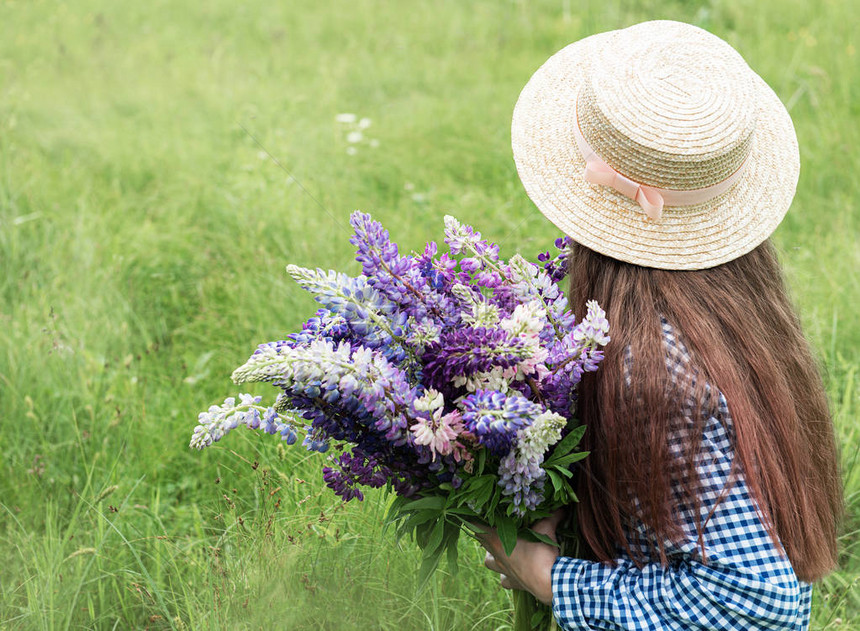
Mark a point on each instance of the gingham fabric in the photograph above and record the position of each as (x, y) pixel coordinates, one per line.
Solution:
(743, 584)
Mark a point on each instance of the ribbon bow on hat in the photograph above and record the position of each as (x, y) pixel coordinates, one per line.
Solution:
(598, 172)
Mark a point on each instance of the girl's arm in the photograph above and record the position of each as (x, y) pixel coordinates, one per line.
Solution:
(744, 583)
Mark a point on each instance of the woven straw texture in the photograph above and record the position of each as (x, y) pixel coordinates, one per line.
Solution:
(668, 105)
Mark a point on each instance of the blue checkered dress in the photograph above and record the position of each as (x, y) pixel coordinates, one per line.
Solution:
(744, 585)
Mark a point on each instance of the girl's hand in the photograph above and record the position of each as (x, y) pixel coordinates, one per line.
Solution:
(529, 567)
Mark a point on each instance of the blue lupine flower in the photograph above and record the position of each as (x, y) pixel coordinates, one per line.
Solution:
(495, 418)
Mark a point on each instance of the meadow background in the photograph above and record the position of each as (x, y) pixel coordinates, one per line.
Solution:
(143, 239)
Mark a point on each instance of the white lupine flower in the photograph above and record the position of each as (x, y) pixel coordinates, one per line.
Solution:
(527, 320)
(496, 379)
(420, 334)
(429, 401)
(483, 313)
(534, 440)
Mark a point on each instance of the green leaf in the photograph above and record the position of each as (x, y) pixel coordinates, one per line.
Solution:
(428, 565)
(542, 538)
(482, 461)
(463, 511)
(422, 533)
(434, 541)
(564, 471)
(452, 551)
(482, 490)
(567, 444)
(394, 509)
(569, 459)
(416, 519)
(506, 528)
(434, 501)
(557, 483)
(494, 501)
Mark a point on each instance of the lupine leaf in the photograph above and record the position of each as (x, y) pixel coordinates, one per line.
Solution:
(506, 528)
(569, 459)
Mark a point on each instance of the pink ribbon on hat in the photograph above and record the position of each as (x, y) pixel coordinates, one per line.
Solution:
(650, 198)
(598, 172)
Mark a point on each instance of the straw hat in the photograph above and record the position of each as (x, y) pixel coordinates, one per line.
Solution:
(656, 145)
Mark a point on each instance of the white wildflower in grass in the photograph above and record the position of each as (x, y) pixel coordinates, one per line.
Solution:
(346, 117)
(364, 123)
(374, 143)
(354, 137)
(351, 151)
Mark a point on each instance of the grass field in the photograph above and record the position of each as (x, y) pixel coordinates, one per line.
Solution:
(143, 238)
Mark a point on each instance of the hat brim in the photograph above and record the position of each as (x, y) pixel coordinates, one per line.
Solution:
(686, 238)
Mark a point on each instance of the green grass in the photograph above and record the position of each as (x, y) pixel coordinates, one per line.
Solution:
(143, 239)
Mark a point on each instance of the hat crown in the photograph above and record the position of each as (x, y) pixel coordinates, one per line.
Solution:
(669, 105)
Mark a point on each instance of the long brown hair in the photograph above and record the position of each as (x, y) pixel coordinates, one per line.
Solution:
(745, 339)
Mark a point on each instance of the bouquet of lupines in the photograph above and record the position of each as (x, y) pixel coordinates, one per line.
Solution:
(449, 379)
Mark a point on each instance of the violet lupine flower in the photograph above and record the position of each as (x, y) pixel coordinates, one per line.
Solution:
(574, 354)
(520, 472)
(352, 470)
(400, 278)
(532, 283)
(496, 418)
(556, 267)
(463, 239)
(381, 263)
(440, 272)
(323, 372)
(463, 352)
(219, 420)
(371, 316)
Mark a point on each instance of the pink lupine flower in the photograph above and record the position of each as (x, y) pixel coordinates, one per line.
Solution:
(438, 432)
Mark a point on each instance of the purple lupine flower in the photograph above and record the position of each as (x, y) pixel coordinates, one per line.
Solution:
(372, 317)
(523, 480)
(353, 469)
(495, 418)
(556, 267)
(219, 420)
(401, 279)
(463, 352)
(594, 328)
(520, 473)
